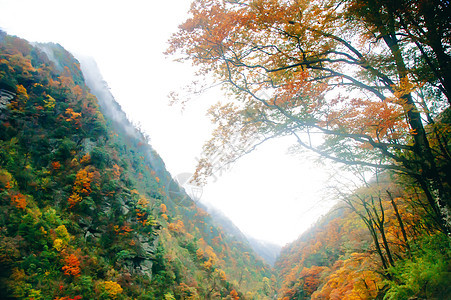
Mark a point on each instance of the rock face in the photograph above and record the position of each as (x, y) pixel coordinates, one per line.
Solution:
(7, 93)
(5, 97)
(144, 262)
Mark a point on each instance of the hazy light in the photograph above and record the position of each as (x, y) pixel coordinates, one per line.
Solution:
(268, 194)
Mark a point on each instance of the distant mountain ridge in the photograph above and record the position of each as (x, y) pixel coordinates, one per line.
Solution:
(267, 250)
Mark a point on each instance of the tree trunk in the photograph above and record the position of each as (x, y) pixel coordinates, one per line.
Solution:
(401, 223)
(422, 149)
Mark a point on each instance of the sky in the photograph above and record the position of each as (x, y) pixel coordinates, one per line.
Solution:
(269, 194)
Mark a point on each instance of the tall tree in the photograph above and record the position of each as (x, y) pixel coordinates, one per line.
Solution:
(320, 67)
(424, 24)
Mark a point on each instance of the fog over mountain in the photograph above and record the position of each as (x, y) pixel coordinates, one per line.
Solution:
(94, 80)
(267, 250)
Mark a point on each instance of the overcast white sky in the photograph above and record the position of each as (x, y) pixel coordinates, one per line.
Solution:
(268, 194)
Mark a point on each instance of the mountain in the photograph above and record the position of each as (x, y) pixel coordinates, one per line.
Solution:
(266, 250)
(87, 207)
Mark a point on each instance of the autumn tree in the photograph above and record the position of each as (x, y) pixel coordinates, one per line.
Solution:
(425, 25)
(112, 288)
(370, 209)
(306, 68)
(19, 200)
(82, 186)
(72, 265)
(352, 278)
(234, 295)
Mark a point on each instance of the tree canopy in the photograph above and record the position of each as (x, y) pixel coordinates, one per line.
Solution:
(369, 77)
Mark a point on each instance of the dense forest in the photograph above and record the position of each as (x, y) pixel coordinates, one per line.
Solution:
(379, 242)
(89, 211)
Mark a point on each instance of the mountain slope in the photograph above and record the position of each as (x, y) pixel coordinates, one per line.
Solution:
(266, 250)
(376, 244)
(227, 233)
(88, 209)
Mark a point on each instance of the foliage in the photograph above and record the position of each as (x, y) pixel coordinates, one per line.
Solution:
(88, 210)
(427, 274)
(112, 288)
(376, 243)
(343, 70)
(72, 265)
(372, 80)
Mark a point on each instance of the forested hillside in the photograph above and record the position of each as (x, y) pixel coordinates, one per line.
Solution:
(88, 210)
(379, 242)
